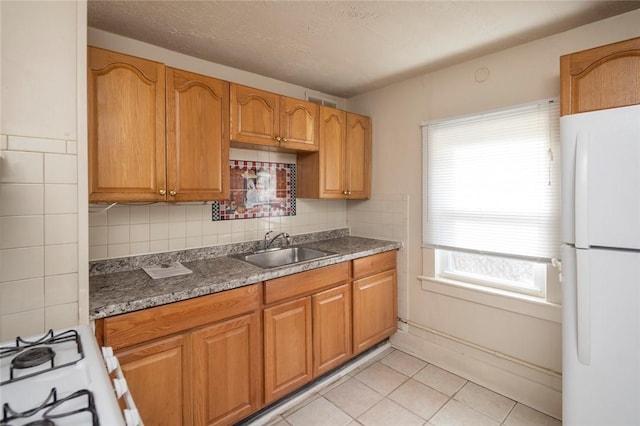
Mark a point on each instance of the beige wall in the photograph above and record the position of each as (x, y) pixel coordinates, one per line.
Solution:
(511, 345)
(41, 140)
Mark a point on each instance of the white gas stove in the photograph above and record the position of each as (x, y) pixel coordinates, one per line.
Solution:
(60, 378)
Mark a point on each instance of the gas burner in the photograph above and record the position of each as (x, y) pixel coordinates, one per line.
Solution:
(53, 408)
(33, 357)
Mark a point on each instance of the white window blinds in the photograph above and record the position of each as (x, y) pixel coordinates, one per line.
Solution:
(491, 182)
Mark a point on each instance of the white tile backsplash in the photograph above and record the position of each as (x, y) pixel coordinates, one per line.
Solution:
(61, 316)
(60, 289)
(22, 167)
(21, 263)
(21, 231)
(25, 323)
(21, 199)
(20, 143)
(60, 229)
(60, 198)
(22, 295)
(60, 168)
(61, 259)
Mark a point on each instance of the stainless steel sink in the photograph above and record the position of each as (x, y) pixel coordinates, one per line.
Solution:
(281, 257)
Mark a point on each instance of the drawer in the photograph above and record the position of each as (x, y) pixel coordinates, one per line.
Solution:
(136, 327)
(374, 264)
(305, 283)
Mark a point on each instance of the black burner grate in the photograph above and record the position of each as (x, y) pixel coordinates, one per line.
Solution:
(53, 408)
(31, 353)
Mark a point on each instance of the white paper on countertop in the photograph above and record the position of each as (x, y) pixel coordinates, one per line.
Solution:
(166, 270)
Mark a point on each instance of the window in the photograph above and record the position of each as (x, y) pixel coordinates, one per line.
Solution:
(491, 196)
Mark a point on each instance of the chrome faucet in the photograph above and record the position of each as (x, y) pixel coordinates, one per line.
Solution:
(286, 237)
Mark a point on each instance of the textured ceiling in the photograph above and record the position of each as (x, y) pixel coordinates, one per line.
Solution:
(343, 48)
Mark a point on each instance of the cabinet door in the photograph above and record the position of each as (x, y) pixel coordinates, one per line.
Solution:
(299, 124)
(600, 78)
(158, 378)
(226, 366)
(331, 328)
(332, 152)
(374, 309)
(287, 348)
(358, 156)
(126, 115)
(255, 116)
(197, 137)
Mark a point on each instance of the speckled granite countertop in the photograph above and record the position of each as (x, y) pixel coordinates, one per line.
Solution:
(131, 289)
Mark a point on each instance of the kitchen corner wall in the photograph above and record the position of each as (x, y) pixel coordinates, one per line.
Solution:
(125, 230)
(42, 55)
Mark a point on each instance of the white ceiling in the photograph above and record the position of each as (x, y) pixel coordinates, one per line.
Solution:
(343, 48)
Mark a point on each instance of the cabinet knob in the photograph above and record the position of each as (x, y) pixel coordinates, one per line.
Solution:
(278, 138)
(348, 192)
(284, 139)
(162, 192)
(345, 192)
(172, 193)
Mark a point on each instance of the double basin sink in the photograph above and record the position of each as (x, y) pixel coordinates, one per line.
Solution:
(274, 258)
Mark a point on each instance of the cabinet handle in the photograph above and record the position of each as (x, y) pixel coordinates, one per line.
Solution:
(284, 139)
(278, 138)
(345, 192)
(348, 192)
(162, 192)
(172, 193)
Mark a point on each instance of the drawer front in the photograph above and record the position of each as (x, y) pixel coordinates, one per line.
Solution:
(136, 327)
(305, 283)
(374, 264)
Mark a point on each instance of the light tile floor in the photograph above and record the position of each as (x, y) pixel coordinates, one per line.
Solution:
(397, 389)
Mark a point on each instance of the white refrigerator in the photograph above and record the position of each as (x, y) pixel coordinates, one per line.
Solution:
(601, 267)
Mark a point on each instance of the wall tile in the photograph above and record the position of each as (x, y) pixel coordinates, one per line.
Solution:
(60, 229)
(158, 246)
(177, 230)
(21, 199)
(61, 316)
(118, 234)
(118, 215)
(193, 212)
(194, 229)
(60, 198)
(72, 147)
(22, 167)
(98, 252)
(158, 213)
(98, 218)
(177, 213)
(141, 247)
(26, 324)
(21, 263)
(139, 232)
(98, 235)
(159, 231)
(118, 250)
(21, 231)
(3, 142)
(60, 289)
(177, 243)
(60, 259)
(193, 242)
(60, 168)
(19, 143)
(23, 295)
(139, 215)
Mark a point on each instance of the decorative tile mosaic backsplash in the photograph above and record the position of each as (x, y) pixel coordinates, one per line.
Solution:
(258, 189)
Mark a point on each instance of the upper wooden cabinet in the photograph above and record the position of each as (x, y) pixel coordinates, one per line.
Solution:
(126, 111)
(265, 119)
(600, 78)
(131, 156)
(342, 167)
(197, 137)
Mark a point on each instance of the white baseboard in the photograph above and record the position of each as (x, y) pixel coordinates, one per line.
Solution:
(534, 387)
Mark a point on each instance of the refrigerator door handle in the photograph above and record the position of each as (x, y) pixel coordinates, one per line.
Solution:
(583, 306)
(581, 207)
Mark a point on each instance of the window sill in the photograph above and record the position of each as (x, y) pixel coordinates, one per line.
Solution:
(518, 303)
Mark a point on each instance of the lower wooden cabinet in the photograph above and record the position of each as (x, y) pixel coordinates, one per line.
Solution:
(226, 367)
(287, 348)
(375, 306)
(331, 328)
(159, 380)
